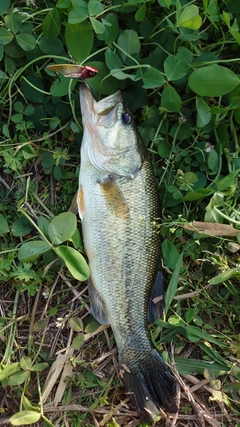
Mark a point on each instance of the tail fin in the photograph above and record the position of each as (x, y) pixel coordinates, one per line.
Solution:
(150, 387)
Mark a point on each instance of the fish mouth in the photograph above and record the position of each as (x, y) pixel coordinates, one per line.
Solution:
(100, 108)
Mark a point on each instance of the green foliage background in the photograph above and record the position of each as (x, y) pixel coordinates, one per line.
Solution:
(177, 64)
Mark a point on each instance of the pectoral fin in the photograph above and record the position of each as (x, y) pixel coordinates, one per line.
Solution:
(80, 202)
(74, 206)
(114, 198)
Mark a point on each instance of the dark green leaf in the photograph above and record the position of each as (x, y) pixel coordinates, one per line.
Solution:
(170, 99)
(30, 93)
(51, 25)
(174, 68)
(141, 12)
(83, 33)
(203, 113)
(5, 36)
(113, 60)
(30, 251)
(26, 41)
(170, 253)
(4, 6)
(4, 228)
(21, 227)
(14, 21)
(152, 78)
(129, 42)
(111, 32)
(50, 45)
(173, 284)
(213, 160)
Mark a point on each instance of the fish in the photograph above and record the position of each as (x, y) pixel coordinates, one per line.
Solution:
(74, 70)
(119, 207)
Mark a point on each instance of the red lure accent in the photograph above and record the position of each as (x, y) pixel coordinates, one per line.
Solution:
(74, 71)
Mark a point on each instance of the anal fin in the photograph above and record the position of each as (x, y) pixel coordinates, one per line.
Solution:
(156, 299)
(97, 305)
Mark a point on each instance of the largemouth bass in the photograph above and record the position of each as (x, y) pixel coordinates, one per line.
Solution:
(118, 204)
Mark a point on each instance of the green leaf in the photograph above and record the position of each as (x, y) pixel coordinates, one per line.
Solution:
(14, 21)
(74, 261)
(50, 45)
(203, 113)
(213, 160)
(30, 251)
(24, 418)
(140, 14)
(4, 228)
(9, 370)
(173, 284)
(18, 378)
(174, 68)
(25, 363)
(129, 42)
(76, 324)
(62, 227)
(170, 99)
(21, 227)
(32, 94)
(95, 7)
(83, 33)
(121, 75)
(60, 86)
(91, 327)
(152, 78)
(78, 342)
(38, 367)
(170, 253)
(213, 80)
(26, 41)
(111, 31)
(77, 15)
(224, 276)
(98, 26)
(4, 6)
(64, 4)
(113, 60)
(51, 25)
(190, 18)
(5, 36)
(199, 194)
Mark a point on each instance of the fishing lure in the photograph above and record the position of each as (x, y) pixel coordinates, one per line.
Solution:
(74, 71)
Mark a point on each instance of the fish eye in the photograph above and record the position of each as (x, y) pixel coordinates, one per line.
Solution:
(126, 118)
(91, 73)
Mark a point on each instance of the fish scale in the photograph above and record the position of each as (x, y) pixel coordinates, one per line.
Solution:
(119, 206)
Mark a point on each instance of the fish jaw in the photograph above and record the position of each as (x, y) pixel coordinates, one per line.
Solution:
(91, 109)
(109, 145)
